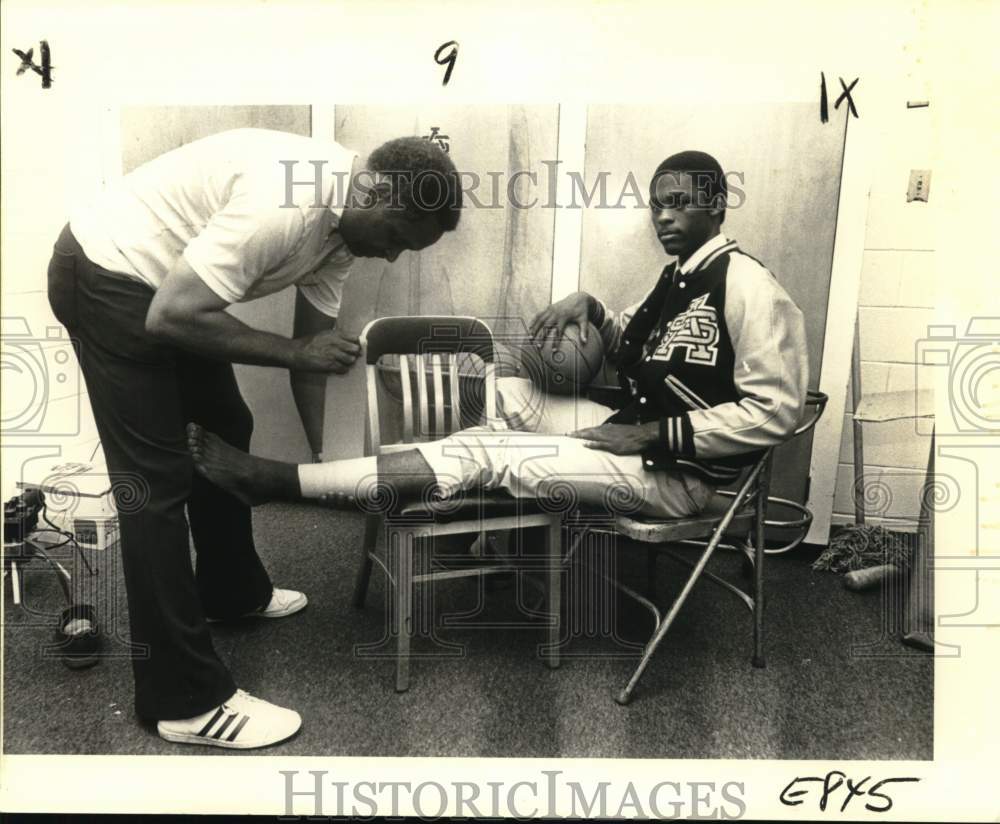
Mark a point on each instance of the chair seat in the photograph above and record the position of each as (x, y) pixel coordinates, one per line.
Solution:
(469, 507)
(664, 530)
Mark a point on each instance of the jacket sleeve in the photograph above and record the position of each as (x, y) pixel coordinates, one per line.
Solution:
(771, 373)
(612, 325)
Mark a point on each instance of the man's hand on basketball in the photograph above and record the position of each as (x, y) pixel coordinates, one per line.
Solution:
(571, 309)
(619, 438)
(328, 351)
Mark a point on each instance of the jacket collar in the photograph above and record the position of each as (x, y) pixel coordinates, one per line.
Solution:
(706, 253)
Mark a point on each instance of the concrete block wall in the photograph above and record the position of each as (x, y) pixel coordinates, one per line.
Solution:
(895, 306)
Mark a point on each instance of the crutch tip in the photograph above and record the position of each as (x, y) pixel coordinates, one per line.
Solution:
(623, 697)
(758, 661)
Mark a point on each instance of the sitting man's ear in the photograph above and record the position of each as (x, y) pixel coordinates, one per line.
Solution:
(718, 208)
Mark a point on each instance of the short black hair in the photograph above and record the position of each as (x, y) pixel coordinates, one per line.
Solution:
(423, 178)
(709, 178)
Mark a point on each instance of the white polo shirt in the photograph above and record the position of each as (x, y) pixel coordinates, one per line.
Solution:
(224, 204)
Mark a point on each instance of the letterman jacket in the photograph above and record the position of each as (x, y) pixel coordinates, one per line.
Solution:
(716, 353)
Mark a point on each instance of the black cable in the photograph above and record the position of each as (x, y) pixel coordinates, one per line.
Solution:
(70, 537)
(58, 532)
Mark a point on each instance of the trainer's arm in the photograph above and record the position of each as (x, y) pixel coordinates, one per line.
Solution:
(189, 315)
(186, 313)
(309, 388)
(246, 237)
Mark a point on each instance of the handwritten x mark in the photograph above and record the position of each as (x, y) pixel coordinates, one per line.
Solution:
(27, 62)
(846, 95)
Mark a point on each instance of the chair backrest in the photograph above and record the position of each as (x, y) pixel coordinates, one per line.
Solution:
(758, 474)
(429, 349)
(815, 404)
(761, 487)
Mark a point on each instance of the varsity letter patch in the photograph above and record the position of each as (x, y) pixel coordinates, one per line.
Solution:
(696, 330)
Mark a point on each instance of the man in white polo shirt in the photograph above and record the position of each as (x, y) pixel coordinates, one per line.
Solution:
(141, 278)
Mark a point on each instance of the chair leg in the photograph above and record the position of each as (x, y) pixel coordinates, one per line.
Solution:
(15, 583)
(404, 606)
(553, 556)
(651, 556)
(365, 570)
(625, 696)
(758, 601)
(760, 513)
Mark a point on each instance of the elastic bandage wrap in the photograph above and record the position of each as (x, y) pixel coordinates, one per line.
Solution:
(354, 477)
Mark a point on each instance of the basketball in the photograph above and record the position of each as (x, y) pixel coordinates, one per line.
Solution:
(562, 368)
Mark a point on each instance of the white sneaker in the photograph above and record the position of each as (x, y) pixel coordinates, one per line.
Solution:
(283, 602)
(243, 722)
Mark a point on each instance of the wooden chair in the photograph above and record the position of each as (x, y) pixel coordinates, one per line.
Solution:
(738, 515)
(452, 361)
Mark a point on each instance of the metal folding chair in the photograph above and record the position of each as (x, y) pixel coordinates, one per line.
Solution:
(452, 362)
(739, 516)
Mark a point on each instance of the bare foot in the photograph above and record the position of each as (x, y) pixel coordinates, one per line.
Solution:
(251, 479)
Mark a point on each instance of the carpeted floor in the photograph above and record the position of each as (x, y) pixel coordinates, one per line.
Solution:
(833, 687)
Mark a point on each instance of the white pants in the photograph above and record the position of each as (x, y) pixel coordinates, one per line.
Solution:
(534, 457)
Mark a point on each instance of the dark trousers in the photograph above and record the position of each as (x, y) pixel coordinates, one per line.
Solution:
(142, 393)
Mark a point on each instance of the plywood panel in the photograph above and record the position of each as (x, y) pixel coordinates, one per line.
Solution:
(149, 131)
(496, 265)
(790, 166)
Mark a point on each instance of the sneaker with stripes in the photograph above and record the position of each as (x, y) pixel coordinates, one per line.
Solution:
(284, 602)
(243, 722)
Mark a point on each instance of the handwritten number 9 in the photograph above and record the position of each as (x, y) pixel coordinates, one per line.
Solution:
(442, 57)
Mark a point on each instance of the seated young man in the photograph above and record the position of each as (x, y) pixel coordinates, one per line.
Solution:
(713, 360)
